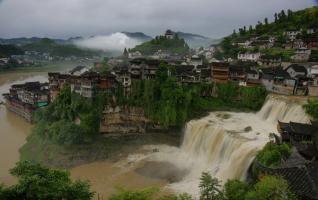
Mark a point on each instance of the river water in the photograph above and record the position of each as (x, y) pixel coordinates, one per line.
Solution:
(14, 129)
(104, 176)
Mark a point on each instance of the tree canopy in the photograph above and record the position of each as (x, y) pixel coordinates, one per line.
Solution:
(70, 119)
(41, 183)
(174, 45)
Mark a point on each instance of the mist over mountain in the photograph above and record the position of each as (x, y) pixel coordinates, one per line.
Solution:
(138, 36)
(114, 42)
(117, 41)
(196, 40)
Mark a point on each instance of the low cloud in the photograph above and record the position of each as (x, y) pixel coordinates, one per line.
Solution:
(113, 42)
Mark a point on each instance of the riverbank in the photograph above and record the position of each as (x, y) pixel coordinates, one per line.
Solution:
(45, 67)
(15, 129)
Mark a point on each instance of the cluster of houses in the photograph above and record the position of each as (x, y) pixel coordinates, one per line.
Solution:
(292, 79)
(23, 99)
(87, 84)
(302, 48)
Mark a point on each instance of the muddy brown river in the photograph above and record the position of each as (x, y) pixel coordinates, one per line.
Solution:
(104, 176)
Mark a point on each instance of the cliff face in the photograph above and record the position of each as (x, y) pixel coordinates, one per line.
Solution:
(123, 121)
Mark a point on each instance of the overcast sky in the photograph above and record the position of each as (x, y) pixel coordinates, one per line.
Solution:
(67, 18)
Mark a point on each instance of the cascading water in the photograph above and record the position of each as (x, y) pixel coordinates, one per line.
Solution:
(283, 108)
(225, 143)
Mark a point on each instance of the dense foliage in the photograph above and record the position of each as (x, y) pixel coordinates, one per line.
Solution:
(235, 190)
(311, 108)
(49, 46)
(210, 188)
(146, 194)
(278, 52)
(272, 155)
(268, 188)
(70, 119)
(271, 188)
(313, 56)
(175, 45)
(8, 50)
(41, 183)
(283, 21)
(171, 104)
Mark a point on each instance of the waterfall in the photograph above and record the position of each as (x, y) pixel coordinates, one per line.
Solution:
(226, 143)
(283, 108)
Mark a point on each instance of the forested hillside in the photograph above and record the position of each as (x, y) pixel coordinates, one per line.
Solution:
(8, 50)
(175, 45)
(49, 46)
(284, 21)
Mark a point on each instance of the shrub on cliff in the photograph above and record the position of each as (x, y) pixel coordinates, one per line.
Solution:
(70, 119)
(271, 188)
(272, 155)
(235, 190)
(311, 108)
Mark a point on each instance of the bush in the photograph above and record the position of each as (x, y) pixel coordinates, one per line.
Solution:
(175, 45)
(271, 188)
(70, 119)
(311, 108)
(273, 155)
(235, 190)
(41, 183)
(210, 188)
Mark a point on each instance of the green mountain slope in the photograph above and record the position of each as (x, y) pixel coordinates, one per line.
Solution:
(50, 46)
(283, 21)
(175, 45)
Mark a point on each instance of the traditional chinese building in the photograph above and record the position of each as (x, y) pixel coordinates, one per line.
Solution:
(220, 72)
(23, 99)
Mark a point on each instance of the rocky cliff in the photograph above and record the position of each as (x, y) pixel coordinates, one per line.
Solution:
(123, 121)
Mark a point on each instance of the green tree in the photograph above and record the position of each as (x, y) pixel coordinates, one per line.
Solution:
(210, 188)
(271, 188)
(70, 119)
(311, 108)
(272, 155)
(235, 190)
(145, 194)
(41, 183)
(105, 66)
(183, 196)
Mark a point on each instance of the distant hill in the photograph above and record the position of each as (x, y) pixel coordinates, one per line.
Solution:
(19, 41)
(138, 36)
(7, 50)
(47, 45)
(195, 40)
(176, 45)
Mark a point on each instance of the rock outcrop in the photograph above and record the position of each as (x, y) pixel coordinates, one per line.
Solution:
(123, 121)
